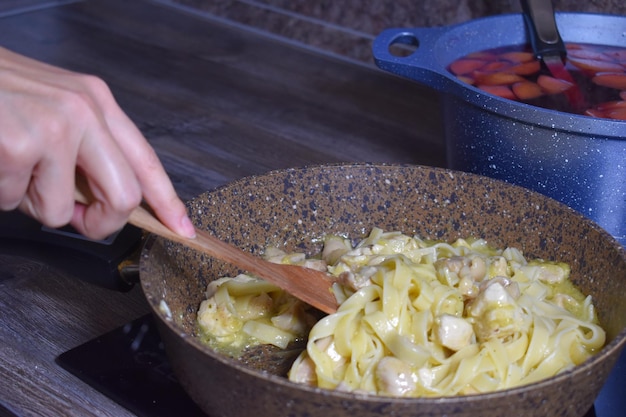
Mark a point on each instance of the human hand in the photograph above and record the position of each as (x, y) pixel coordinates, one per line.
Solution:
(55, 124)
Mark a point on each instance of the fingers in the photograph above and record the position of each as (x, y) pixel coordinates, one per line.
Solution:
(114, 188)
(15, 171)
(156, 186)
(49, 195)
(49, 123)
(147, 171)
(60, 122)
(35, 173)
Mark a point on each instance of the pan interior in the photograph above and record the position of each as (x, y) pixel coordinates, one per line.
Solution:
(293, 209)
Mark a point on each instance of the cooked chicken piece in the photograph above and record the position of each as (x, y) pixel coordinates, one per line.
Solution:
(304, 372)
(274, 255)
(426, 377)
(317, 264)
(394, 377)
(463, 272)
(277, 256)
(511, 287)
(357, 280)
(218, 321)
(468, 288)
(477, 268)
(293, 319)
(495, 312)
(498, 266)
(492, 294)
(334, 248)
(448, 269)
(453, 332)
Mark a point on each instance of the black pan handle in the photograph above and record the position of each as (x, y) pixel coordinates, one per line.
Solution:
(544, 35)
(111, 263)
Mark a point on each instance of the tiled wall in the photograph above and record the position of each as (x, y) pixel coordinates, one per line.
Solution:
(347, 27)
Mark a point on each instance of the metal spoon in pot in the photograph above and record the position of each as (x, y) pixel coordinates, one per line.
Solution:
(549, 47)
(311, 286)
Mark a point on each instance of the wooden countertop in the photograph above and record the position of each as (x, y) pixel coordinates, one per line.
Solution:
(218, 103)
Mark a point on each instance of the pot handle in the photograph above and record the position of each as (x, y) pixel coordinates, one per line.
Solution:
(422, 64)
(110, 263)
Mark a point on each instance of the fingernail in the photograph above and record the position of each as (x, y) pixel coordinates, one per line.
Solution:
(187, 226)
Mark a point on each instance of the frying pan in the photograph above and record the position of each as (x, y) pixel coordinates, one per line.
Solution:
(293, 208)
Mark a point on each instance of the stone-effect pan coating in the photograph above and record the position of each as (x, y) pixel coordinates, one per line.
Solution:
(294, 208)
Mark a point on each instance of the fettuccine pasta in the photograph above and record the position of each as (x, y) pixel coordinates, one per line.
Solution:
(419, 318)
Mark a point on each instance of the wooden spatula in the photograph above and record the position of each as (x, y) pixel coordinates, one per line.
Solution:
(311, 286)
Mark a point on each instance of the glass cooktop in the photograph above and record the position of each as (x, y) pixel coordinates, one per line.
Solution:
(129, 365)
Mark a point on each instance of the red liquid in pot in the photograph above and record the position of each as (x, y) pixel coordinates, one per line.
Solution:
(514, 73)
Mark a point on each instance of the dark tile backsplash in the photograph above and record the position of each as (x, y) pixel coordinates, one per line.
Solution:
(347, 27)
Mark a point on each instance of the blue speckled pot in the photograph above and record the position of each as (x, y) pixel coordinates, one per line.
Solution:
(578, 160)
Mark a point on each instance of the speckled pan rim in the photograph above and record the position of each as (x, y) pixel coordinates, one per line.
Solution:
(616, 345)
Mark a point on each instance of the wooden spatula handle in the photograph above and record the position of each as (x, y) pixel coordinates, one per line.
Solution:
(143, 218)
(312, 287)
(308, 285)
(204, 241)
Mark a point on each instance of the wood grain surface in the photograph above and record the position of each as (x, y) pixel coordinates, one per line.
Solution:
(11, 7)
(218, 103)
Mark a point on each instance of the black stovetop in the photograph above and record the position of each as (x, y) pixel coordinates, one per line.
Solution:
(130, 366)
